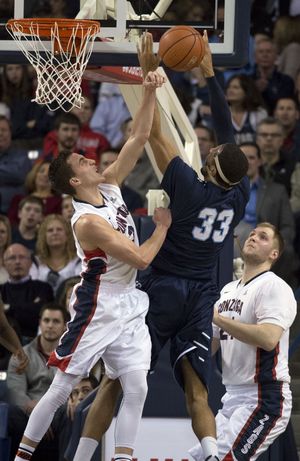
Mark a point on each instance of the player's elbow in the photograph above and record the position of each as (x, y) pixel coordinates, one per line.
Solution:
(143, 264)
(269, 344)
(141, 138)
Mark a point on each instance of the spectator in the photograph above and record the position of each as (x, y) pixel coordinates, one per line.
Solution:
(5, 241)
(275, 167)
(64, 137)
(90, 142)
(131, 198)
(110, 113)
(23, 296)
(271, 83)
(63, 419)
(297, 88)
(67, 208)
(56, 253)
(246, 107)
(286, 111)
(65, 290)
(287, 39)
(14, 165)
(30, 213)
(37, 184)
(206, 140)
(30, 121)
(269, 202)
(27, 389)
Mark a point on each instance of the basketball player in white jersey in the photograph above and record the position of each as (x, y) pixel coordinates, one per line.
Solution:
(251, 323)
(109, 312)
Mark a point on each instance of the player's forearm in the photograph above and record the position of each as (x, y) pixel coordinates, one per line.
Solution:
(255, 335)
(149, 249)
(143, 119)
(9, 339)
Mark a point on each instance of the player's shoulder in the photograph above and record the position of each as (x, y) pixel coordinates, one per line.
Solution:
(270, 281)
(229, 287)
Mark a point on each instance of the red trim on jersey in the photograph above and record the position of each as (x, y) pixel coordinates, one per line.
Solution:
(96, 253)
(228, 457)
(62, 363)
(249, 421)
(23, 455)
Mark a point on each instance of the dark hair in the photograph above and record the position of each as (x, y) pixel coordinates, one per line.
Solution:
(69, 118)
(277, 236)
(253, 98)
(270, 121)
(233, 165)
(60, 173)
(210, 132)
(55, 307)
(252, 144)
(31, 199)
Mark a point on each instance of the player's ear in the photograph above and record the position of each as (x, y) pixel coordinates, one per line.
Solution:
(74, 181)
(274, 255)
(212, 170)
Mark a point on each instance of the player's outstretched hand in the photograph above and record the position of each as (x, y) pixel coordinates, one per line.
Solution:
(206, 64)
(22, 360)
(147, 59)
(154, 80)
(162, 216)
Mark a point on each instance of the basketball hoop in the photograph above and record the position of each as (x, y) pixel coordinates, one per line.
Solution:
(60, 66)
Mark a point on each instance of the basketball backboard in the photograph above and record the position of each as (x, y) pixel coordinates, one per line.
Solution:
(227, 22)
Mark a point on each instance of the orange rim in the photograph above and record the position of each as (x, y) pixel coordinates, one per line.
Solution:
(67, 27)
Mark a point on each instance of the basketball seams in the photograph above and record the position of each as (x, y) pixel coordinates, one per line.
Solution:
(188, 52)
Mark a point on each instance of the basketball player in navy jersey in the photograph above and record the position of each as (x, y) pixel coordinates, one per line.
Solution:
(109, 312)
(251, 324)
(182, 284)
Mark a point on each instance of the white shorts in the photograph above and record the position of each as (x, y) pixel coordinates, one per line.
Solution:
(251, 418)
(114, 329)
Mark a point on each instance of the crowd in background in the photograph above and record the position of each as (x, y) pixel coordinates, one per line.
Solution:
(38, 261)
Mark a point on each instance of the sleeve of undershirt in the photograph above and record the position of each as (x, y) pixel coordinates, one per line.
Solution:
(221, 115)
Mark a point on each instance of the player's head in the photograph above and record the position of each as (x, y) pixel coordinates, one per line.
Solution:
(225, 165)
(265, 244)
(70, 172)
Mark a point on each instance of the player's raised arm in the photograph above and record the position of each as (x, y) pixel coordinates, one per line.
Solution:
(221, 115)
(142, 123)
(94, 232)
(163, 149)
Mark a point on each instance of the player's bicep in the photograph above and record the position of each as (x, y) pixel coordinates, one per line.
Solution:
(97, 233)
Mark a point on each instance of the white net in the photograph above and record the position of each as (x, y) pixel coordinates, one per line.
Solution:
(60, 62)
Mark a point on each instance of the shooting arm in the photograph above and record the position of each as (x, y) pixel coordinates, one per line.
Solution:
(263, 335)
(94, 232)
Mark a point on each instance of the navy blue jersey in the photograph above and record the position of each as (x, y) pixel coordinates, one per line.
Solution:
(203, 216)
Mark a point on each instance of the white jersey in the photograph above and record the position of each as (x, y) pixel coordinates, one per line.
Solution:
(264, 299)
(97, 263)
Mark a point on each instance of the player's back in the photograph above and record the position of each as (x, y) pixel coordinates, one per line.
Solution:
(203, 217)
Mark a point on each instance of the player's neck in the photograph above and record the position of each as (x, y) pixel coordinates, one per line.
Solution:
(91, 195)
(252, 270)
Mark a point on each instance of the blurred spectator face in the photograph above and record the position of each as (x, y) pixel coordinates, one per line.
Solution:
(14, 73)
(3, 235)
(30, 215)
(81, 390)
(127, 130)
(5, 135)
(41, 179)
(67, 136)
(52, 325)
(67, 209)
(204, 141)
(85, 113)
(17, 261)
(270, 139)
(234, 91)
(107, 158)
(265, 54)
(286, 111)
(253, 160)
(55, 234)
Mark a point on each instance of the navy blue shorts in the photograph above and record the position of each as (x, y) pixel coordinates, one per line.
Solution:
(181, 310)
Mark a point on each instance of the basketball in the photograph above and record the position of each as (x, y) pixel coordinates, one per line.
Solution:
(181, 48)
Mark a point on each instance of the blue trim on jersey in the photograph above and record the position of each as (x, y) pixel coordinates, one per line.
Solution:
(260, 422)
(84, 307)
(266, 362)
